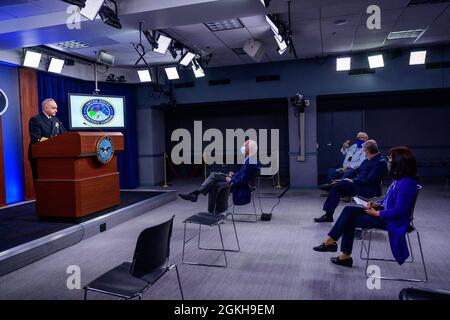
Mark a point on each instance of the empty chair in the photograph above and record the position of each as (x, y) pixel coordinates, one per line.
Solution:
(220, 212)
(150, 262)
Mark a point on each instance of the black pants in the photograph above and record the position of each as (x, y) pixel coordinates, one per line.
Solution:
(213, 179)
(343, 188)
(351, 218)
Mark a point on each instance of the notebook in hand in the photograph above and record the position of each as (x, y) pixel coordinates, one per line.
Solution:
(360, 202)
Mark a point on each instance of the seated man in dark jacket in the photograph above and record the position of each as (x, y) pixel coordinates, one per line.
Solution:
(239, 180)
(366, 182)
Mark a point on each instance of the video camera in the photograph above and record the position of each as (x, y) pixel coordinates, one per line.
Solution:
(298, 101)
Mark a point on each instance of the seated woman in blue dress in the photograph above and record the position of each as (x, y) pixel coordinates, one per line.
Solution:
(393, 215)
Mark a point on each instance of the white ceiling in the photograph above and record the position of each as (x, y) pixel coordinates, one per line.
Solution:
(26, 23)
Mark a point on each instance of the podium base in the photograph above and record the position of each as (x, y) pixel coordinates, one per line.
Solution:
(266, 216)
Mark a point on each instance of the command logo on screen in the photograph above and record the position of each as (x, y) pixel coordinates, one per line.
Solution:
(98, 111)
(3, 102)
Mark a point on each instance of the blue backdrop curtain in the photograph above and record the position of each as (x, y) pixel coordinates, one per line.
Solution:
(58, 87)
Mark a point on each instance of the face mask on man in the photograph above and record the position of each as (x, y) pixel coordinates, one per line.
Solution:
(359, 143)
(243, 150)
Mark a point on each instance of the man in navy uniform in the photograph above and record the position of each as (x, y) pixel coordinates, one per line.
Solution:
(239, 181)
(43, 126)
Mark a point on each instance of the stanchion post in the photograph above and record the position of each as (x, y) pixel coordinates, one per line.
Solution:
(278, 186)
(165, 185)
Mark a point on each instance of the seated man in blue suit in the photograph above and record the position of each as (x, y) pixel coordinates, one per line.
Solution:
(366, 181)
(239, 180)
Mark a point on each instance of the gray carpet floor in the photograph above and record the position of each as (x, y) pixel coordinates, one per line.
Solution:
(276, 259)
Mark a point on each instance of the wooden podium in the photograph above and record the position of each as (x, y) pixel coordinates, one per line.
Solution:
(72, 182)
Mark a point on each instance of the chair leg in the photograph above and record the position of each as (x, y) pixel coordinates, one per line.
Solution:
(235, 233)
(223, 246)
(199, 233)
(368, 253)
(184, 243)
(410, 247)
(85, 293)
(179, 282)
(423, 259)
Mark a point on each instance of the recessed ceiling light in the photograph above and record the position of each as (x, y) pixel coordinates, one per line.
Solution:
(56, 65)
(144, 76)
(376, 61)
(163, 44)
(343, 64)
(224, 25)
(172, 73)
(32, 59)
(405, 34)
(417, 57)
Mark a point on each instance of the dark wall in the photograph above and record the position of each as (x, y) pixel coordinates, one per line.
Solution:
(263, 114)
(417, 119)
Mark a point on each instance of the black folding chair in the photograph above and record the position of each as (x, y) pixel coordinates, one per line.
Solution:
(423, 294)
(212, 219)
(150, 262)
(412, 229)
(252, 217)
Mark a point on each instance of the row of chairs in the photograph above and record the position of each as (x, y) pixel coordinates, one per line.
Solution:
(150, 261)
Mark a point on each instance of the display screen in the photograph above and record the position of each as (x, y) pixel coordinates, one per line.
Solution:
(96, 112)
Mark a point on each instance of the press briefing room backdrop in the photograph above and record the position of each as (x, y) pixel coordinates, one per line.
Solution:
(216, 151)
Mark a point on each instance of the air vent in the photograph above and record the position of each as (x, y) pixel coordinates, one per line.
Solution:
(437, 65)
(274, 77)
(239, 51)
(405, 34)
(219, 82)
(224, 25)
(413, 3)
(184, 85)
(73, 44)
(355, 72)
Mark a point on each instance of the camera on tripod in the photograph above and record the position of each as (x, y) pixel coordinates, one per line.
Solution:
(298, 101)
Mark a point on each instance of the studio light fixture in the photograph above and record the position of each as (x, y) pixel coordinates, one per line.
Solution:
(173, 50)
(376, 61)
(417, 57)
(163, 44)
(144, 75)
(110, 16)
(151, 39)
(56, 65)
(343, 64)
(91, 9)
(198, 71)
(79, 3)
(272, 25)
(172, 73)
(282, 46)
(187, 58)
(265, 3)
(32, 59)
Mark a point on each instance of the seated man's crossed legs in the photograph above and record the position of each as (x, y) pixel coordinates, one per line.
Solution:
(213, 179)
